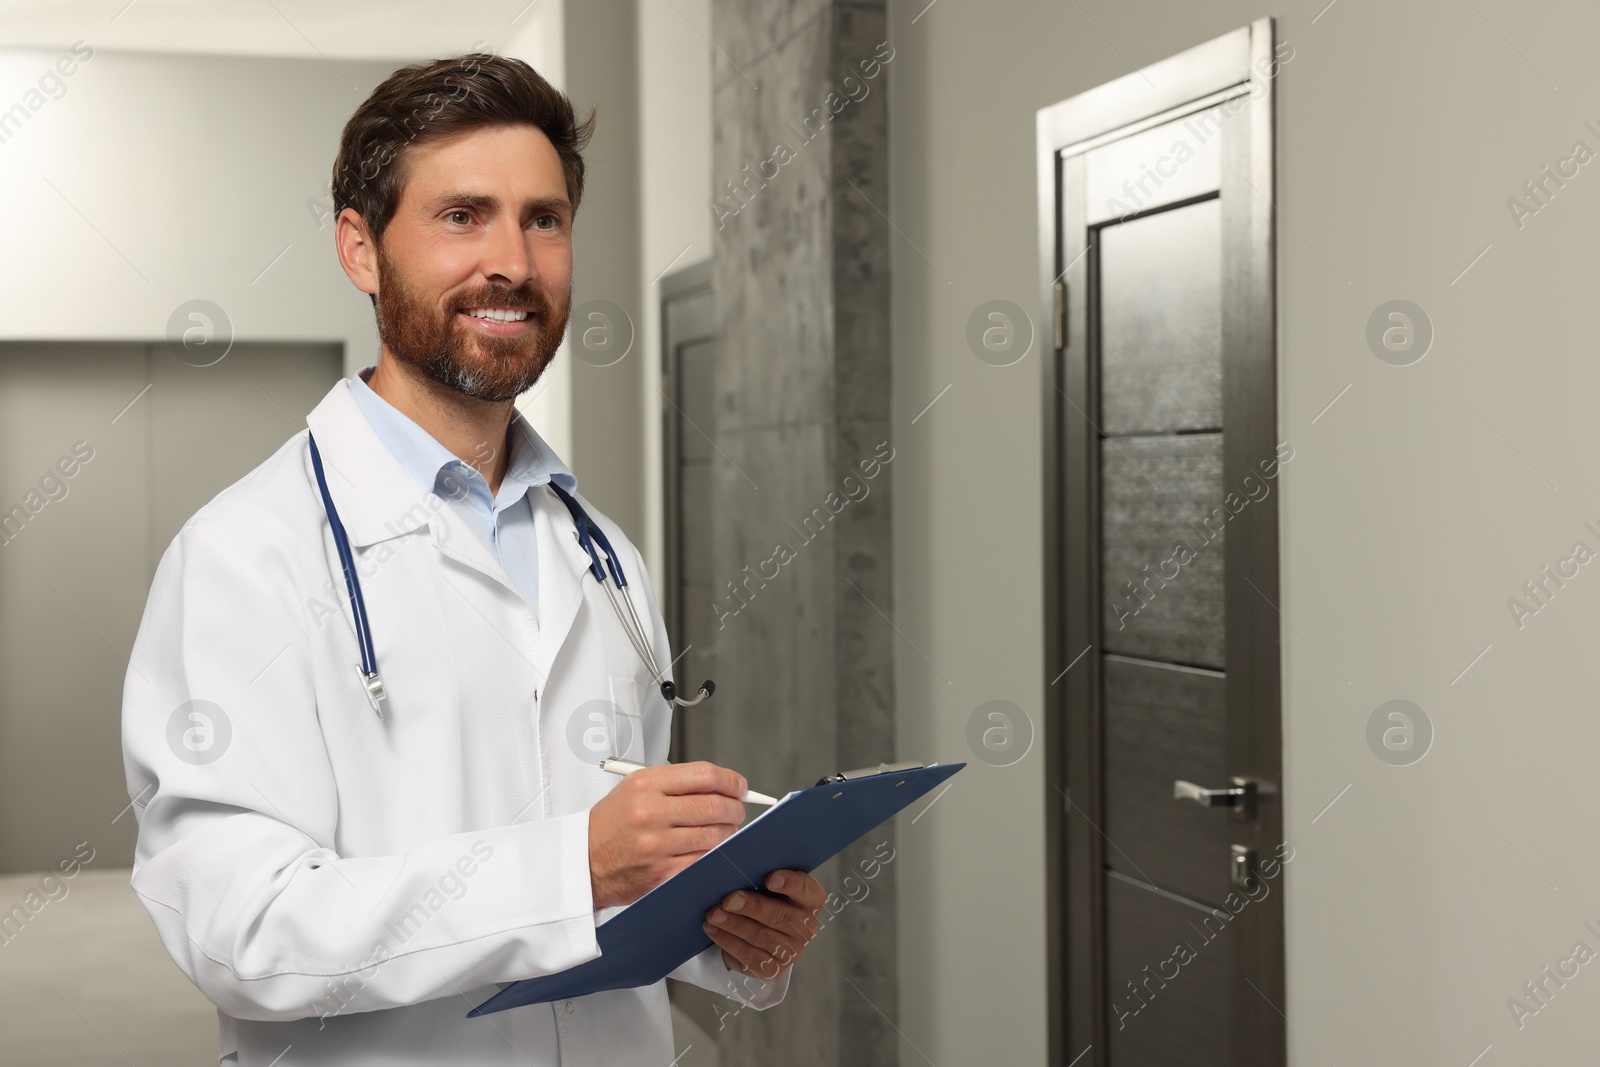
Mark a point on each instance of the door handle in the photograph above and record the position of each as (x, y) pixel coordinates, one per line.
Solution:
(1240, 797)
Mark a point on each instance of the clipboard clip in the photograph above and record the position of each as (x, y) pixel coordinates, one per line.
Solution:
(868, 772)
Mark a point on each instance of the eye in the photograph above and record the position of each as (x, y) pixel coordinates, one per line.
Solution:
(546, 222)
(460, 214)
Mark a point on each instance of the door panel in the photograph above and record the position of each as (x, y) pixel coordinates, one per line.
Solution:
(1164, 723)
(1158, 493)
(694, 384)
(694, 498)
(1169, 976)
(1161, 321)
(73, 582)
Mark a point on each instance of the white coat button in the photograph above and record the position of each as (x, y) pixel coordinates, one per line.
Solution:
(570, 1008)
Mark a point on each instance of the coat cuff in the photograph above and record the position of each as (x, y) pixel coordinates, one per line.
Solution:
(707, 971)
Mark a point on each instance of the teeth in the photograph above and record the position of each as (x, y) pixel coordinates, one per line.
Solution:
(497, 314)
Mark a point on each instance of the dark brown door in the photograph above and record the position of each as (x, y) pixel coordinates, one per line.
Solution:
(1164, 641)
(687, 417)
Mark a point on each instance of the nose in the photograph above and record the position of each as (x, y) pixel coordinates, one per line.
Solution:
(505, 258)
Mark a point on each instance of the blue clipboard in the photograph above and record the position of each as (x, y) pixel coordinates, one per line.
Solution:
(651, 937)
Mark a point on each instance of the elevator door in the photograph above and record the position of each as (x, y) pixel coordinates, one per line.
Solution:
(147, 439)
(1166, 656)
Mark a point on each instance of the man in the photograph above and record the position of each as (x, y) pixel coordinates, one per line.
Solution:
(345, 875)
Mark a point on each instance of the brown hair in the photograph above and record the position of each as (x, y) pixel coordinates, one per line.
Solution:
(429, 102)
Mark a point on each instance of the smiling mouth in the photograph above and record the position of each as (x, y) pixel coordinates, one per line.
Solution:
(492, 314)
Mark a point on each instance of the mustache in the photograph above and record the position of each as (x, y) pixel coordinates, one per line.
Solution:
(515, 299)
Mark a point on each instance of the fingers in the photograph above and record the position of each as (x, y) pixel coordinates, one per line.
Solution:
(761, 935)
(679, 779)
(646, 809)
(756, 948)
(704, 809)
(790, 919)
(684, 840)
(799, 887)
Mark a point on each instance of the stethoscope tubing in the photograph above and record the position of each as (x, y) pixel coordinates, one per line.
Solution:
(588, 533)
(352, 583)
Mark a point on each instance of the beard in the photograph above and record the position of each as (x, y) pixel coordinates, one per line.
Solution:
(429, 338)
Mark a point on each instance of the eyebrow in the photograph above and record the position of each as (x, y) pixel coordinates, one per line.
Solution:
(483, 201)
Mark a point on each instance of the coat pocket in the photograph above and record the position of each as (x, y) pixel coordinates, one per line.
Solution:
(627, 728)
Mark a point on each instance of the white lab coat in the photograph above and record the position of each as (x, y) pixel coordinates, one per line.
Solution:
(351, 885)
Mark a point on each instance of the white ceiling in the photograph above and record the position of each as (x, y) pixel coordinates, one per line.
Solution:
(353, 29)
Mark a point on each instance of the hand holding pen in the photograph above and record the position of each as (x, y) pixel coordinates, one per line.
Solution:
(656, 822)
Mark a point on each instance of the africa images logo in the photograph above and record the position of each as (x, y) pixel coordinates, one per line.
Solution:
(199, 732)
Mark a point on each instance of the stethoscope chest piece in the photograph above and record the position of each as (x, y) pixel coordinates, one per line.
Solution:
(373, 685)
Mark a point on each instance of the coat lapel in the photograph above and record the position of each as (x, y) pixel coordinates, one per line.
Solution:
(453, 538)
(375, 497)
(377, 500)
(563, 568)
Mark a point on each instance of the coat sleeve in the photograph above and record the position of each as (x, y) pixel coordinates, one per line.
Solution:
(236, 860)
(707, 970)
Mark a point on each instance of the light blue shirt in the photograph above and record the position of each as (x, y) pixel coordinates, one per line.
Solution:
(504, 521)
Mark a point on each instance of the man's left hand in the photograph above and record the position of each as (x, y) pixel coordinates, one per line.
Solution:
(763, 935)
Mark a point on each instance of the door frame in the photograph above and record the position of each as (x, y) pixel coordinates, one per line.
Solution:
(1221, 68)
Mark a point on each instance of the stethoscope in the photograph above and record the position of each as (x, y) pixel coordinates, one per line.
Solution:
(589, 535)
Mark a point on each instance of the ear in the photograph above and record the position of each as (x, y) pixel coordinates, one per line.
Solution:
(358, 253)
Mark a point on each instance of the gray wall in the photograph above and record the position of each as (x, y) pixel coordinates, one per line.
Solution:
(607, 399)
(804, 656)
(148, 193)
(1414, 508)
(675, 224)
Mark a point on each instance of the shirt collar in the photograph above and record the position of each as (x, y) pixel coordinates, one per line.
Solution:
(532, 462)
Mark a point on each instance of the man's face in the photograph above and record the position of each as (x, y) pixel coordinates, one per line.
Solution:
(482, 234)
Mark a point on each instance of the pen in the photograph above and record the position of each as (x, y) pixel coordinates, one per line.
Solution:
(624, 766)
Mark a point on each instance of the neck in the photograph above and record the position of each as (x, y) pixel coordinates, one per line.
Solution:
(473, 430)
